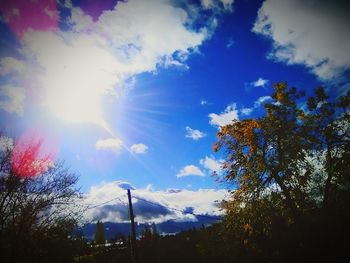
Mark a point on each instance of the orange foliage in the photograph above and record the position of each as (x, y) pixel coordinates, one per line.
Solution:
(248, 133)
(215, 147)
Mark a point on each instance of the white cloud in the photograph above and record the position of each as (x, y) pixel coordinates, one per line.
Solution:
(227, 3)
(224, 118)
(246, 111)
(194, 134)
(139, 148)
(313, 33)
(95, 58)
(204, 102)
(212, 164)
(201, 201)
(206, 4)
(6, 143)
(111, 144)
(190, 170)
(260, 82)
(214, 4)
(257, 104)
(12, 99)
(10, 65)
(261, 100)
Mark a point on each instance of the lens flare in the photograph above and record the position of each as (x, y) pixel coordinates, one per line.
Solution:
(22, 15)
(32, 155)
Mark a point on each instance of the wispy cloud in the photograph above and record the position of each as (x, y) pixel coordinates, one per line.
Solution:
(190, 170)
(139, 148)
(230, 43)
(260, 101)
(204, 102)
(194, 134)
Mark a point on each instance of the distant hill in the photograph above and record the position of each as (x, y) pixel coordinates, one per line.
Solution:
(113, 230)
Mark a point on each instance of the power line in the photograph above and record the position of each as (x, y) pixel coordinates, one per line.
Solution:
(157, 204)
(172, 208)
(153, 203)
(113, 199)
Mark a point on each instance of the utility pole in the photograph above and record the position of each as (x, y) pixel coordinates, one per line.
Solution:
(133, 231)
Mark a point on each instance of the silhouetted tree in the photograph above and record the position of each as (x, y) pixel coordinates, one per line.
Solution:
(36, 197)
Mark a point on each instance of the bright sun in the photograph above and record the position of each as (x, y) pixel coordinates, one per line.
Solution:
(76, 105)
(75, 84)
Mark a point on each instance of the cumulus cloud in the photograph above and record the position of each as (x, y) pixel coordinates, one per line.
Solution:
(111, 144)
(95, 57)
(190, 170)
(150, 205)
(224, 118)
(211, 164)
(194, 134)
(139, 148)
(312, 33)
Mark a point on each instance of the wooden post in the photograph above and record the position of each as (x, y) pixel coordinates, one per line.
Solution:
(133, 231)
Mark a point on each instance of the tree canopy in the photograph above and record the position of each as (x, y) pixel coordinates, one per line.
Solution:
(289, 171)
(36, 205)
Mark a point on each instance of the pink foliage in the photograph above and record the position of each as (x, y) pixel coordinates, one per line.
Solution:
(30, 157)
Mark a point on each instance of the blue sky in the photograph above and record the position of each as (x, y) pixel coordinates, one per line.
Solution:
(135, 91)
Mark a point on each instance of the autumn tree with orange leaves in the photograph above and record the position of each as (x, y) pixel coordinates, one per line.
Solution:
(289, 173)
